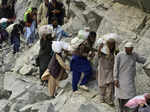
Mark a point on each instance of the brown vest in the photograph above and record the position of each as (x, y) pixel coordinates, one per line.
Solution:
(54, 67)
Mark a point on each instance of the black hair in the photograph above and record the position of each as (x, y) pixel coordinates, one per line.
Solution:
(34, 9)
(93, 34)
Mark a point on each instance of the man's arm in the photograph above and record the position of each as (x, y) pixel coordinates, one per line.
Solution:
(65, 34)
(140, 59)
(62, 63)
(116, 70)
(39, 14)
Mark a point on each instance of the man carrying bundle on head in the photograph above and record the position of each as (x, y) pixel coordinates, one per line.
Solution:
(106, 53)
(81, 46)
(57, 67)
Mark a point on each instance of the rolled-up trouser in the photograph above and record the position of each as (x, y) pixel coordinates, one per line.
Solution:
(107, 92)
(52, 85)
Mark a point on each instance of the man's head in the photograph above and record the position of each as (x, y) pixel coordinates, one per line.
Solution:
(54, 22)
(34, 10)
(92, 36)
(111, 45)
(129, 48)
(46, 2)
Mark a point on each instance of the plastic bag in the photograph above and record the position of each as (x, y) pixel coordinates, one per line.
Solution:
(136, 101)
(103, 40)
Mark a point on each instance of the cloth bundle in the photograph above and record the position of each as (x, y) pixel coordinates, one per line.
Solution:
(105, 38)
(81, 37)
(58, 46)
(45, 30)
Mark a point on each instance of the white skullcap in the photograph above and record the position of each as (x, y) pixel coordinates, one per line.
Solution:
(129, 45)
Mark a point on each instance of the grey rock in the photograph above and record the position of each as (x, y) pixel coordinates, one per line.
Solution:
(37, 96)
(5, 94)
(18, 105)
(88, 108)
(142, 4)
(26, 57)
(124, 17)
(3, 105)
(45, 106)
(80, 4)
(27, 70)
(93, 20)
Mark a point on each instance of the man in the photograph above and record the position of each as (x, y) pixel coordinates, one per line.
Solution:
(56, 9)
(6, 11)
(105, 72)
(42, 12)
(58, 32)
(124, 75)
(30, 21)
(83, 44)
(45, 49)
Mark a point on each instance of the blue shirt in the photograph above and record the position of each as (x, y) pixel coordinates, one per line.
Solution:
(60, 33)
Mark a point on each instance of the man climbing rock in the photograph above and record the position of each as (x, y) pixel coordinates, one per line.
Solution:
(81, 46)
(45, 48)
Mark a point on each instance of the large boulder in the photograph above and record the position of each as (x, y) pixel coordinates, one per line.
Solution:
(142, 4)
(93, 20)
(27, 58)
(27, 70)
(124, 18)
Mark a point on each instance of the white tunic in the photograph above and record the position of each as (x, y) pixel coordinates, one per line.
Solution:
(125, 72)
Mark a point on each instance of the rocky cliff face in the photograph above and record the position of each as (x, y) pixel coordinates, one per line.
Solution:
(104, 16)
